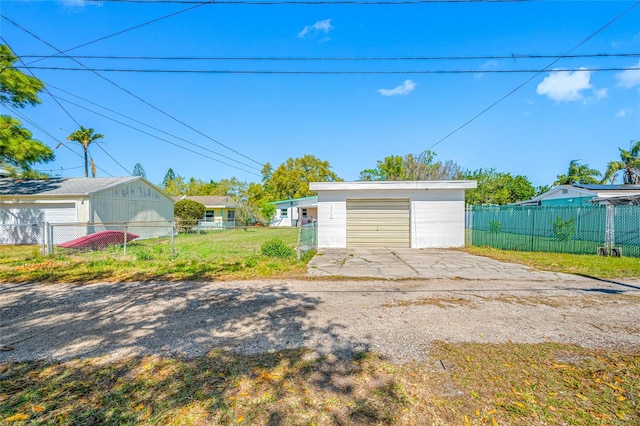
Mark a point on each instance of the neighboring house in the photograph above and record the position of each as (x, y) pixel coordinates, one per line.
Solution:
(580, 194)
(220, 210)
(419, 214)
(294, 212)
(94, 201)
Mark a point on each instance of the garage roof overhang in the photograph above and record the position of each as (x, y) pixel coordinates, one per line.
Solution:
(394, 185)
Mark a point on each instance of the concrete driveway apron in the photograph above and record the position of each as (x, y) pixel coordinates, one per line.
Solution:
(402, 263)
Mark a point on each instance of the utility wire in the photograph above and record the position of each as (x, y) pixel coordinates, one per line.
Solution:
(64, 109)
(312, 2)
(551, 64)
(537, 71)
(199, 4)
(154, 128)
(134, 95)
(156, 137)
(514, 57)
(44, 131)
(44, 87)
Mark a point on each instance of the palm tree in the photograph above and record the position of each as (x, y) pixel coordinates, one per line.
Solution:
(578, 173)
(85, 137)
(629, 163)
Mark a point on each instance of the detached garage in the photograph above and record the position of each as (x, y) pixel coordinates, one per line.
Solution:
(91, 201)
(423, 214)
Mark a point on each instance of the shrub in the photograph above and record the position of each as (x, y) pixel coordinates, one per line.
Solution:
(188, 213)
(495, 227)
(563, 230)
(276, 248)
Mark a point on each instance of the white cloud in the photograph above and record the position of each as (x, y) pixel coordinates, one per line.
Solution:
(568, 86)
(621, 114)
(629, 78)
(402, 90)
(320, 26)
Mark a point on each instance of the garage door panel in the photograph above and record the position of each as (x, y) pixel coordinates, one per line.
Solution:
(378, 223)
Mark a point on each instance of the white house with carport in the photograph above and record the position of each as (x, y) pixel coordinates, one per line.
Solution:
(90, 202)
(295, 212)
(417, 214)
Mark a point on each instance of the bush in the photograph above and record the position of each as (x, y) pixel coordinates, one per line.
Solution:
(495, 227)
(188, 213)
(276, 248)
(563, 230)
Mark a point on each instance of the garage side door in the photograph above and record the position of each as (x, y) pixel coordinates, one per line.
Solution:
(378, 223)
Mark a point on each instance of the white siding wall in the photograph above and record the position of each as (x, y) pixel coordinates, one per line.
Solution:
(132, 202)
(437, 216)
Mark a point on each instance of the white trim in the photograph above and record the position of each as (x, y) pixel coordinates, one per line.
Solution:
(393, 185)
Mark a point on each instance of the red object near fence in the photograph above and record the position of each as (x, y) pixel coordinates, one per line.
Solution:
(99, 240)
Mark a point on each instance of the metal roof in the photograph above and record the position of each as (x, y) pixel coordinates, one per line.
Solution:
(596, 187)
(59, 186)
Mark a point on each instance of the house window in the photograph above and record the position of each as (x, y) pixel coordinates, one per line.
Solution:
(284, 213)
(209, 216)
(304, 212)
(231, 215)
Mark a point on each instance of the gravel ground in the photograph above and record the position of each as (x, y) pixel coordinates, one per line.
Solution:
(396, 318)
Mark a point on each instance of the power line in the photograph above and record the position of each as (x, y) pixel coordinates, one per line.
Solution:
(311, 2)
(513, 57)
(44, 131)
(43, 87)
(149, 126)
(124, 31)
(134, 95)
(551, 64)
(157, 137)
(319, 72)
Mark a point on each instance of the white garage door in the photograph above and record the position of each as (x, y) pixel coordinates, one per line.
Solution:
(378, 223)
(27, 214)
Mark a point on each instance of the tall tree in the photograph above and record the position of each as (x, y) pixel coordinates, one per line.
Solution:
(85, 137)
(138, 170)
(17, 90)
(497, 188)
(422, 166)
(168, 177)
(629, 164)
(291, 179)
(578, 173)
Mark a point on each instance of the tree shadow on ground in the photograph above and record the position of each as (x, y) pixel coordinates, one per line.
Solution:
(158, 352)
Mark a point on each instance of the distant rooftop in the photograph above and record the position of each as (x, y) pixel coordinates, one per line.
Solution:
(59, 186)
(596, 187)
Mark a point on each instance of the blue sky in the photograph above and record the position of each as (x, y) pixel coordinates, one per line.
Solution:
(350, 120)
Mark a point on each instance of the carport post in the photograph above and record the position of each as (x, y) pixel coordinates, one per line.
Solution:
(43, 249)
(125, 239)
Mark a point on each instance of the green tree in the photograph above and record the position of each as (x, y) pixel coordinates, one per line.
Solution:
(412, 167)
(85, 137)
(138, 170)
(18, 148)
(188, 213)
(497, 188)
(16, 88)
(291, 179)
(629, 164)
(168, 177)
(578, 173)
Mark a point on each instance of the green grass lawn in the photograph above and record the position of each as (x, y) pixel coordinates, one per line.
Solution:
(580, 264)
(229, 254)
(460, 384)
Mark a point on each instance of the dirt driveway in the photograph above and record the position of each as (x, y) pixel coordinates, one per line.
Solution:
(396, 318)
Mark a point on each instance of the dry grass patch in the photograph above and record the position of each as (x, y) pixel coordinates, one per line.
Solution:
(479, 384)
(440, 302)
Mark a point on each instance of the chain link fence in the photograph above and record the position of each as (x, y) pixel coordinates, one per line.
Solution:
(606, 230)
